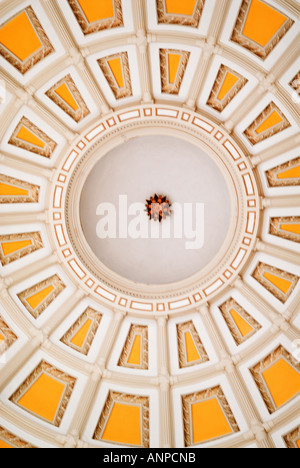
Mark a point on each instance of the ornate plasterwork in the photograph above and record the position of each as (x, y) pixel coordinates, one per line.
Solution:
(251, 132)
(45, 368)
(251, 45)
(166, 86)
(263, 269)
(273, 175)
(82, 110)
(133, 400)
(292, 438)
(183, 20)
(295, 83)
(100, 25)
(276, 229)
(236, 334)
(135, 330)
(31, 197)
(213, 100)
(49, 144)
(36, 244)
(53, 282)
(36, 57)
(189, 327)
(12, 440)
(88, 314)
(258, 369)
(8, 335)
(126, 90)
(208, 394)
(94, 277)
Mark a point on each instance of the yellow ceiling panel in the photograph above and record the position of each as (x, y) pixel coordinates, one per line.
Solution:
(64, 93)
(35, 300)
(173, 65)
(79, 338)
(180, 7)
(294, 228)
(283, 381)
(124, 425)
(11, 190)
(97, 10)
(293, 173)
(272, 120)
(115, 65)
(43, 397)
(280, 283)
(209, 421)
(229, 82)
(191, 350)
(262, 22)
(5, 445)
(135, 354)
(25, 42)
(12, 247)
(243, 326)
(29, 137)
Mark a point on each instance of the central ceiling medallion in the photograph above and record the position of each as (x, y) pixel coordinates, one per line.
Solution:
(158, 207)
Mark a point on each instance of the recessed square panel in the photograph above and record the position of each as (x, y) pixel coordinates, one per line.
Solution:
(207, 416)
(94, 16)
(27, 47)
(45, 393)
(260, 27)
(184, 13)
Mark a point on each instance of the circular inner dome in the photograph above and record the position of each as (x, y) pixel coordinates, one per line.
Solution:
(118, 228)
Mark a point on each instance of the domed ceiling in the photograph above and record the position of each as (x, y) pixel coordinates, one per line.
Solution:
(129, 342)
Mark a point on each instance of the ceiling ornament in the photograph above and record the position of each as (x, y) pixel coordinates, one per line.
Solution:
(158, 208)
(260, 27)
(186, 13)
(90, 272)
(227, 85)
(29, 46)
(66, 95)
(97, 16)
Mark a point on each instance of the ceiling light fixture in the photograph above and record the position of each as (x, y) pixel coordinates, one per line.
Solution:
(158, 207)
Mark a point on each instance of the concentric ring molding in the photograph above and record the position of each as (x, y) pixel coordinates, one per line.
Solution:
(75, 253)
